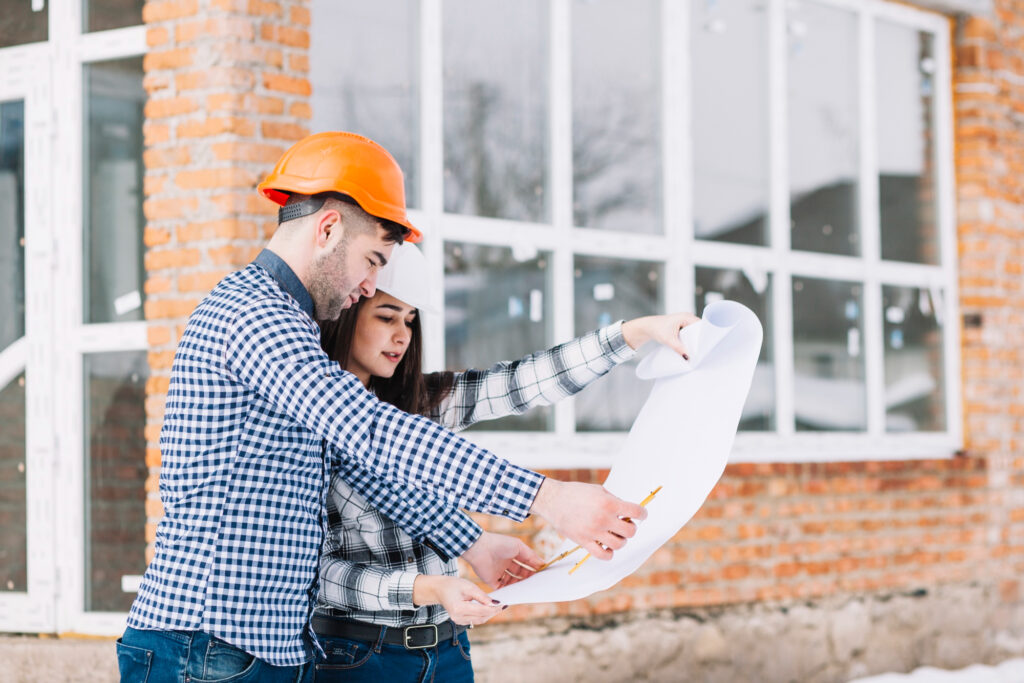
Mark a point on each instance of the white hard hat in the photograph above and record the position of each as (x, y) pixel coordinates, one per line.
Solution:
(405, 277)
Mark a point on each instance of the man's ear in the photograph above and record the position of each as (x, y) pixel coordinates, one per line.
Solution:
(328, 224)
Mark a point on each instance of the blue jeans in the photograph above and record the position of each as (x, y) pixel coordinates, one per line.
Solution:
(195, 657)
(355, 661)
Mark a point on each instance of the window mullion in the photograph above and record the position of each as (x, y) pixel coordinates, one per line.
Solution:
(677, 155)
(782, 301)
(945, 190)
(432, 172)
(874, 346)
(560, 127)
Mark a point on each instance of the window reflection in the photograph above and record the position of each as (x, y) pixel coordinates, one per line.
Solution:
(101, 15)
(496, 109)
(753, 290)
(116, 471)
(13, 509)
(497, 307)
(607, 290)
(112, 278)
(21, 23)
(914, 377)
(904, 73)
(823, 128)
(616, 106)
(12, 222)
(730, 124)
(369, 83)
(829, 392)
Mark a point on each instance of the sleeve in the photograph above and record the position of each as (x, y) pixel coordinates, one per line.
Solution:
(365, 587)
(540, 379)
(426, 518)
(276, 353)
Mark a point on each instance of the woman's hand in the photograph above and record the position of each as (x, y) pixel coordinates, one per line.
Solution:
(500, 560)
(465, 602)
(660, 328)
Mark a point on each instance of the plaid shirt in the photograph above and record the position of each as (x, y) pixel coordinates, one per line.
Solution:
(251, 402)
(369, 563)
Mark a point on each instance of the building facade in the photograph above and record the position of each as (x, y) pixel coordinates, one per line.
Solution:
(845, 168)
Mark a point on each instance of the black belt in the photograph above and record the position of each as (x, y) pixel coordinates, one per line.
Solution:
(410, 637)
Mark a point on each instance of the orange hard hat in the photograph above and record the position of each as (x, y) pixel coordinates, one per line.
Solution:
(345, 163)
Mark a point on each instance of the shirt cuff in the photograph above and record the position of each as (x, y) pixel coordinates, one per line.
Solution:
(517, 489)
(454, 537)
(400, 590)
(614, 344)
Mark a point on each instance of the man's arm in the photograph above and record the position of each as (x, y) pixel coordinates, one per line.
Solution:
(426, 518)
(276, 353)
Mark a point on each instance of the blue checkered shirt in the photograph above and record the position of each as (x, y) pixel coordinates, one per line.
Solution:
(252, 405)
(369, 562)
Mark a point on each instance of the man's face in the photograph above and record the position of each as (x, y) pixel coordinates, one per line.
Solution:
(346, 270)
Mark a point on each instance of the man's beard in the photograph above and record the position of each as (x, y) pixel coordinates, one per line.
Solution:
(329, 298)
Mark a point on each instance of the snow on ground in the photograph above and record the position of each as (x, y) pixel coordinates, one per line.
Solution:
(1010, 671)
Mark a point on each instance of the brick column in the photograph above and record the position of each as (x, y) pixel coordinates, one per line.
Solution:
(228, 93)
(990, 195)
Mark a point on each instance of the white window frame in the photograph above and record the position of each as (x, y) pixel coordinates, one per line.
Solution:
(24, 78)
(57, 341)
(563, 447)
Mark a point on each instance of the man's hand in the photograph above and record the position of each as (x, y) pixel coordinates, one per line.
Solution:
(587, 514)
(660, 328)
(465, 602)
(500, 560)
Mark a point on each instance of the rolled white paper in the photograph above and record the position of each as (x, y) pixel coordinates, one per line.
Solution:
(680, 441)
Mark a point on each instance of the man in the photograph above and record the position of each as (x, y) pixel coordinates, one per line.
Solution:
(252, 401)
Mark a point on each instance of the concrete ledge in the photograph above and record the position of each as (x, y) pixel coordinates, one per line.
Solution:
(824, 641)
(978, 7)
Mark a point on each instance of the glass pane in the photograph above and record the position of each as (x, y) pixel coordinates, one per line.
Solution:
(369, 83)
(13, 509)
(12, 222)
(21, 22)
(828, 333)
(101, 15)
(915, 393)
(114, 222)
(496, 108)
(115, 523)
(823, 128)
(753, 290)
(616, 114)
(497, 307)
(607, 290)
(730, 124)
(904, 72)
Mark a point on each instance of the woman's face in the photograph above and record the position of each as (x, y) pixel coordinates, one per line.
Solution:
(381, 338)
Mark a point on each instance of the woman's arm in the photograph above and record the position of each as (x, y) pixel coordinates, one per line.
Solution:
(542, 378)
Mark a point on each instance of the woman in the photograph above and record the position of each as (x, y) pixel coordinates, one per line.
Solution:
(391, 608)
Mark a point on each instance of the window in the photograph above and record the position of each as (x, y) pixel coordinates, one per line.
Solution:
(73, 362)
(577, 162)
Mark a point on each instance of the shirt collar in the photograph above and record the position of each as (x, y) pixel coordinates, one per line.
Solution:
(285, 277)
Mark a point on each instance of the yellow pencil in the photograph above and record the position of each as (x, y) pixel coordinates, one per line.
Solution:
(643, 503)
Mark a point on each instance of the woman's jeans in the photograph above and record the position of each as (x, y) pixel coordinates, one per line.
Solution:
(196, 657)
(355, 661)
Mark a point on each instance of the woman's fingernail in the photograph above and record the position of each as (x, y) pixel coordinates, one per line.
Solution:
(495, 602)
(685, 357)
(504, 607)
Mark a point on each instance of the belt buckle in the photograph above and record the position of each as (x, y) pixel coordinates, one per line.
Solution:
(406, 637)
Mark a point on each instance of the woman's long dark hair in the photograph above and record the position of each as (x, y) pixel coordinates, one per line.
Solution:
(408, 389)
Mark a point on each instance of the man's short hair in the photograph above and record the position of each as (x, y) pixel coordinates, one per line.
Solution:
(352, 214)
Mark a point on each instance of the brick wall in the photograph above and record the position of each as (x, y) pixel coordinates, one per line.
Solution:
(989, 110)
(228, 93)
